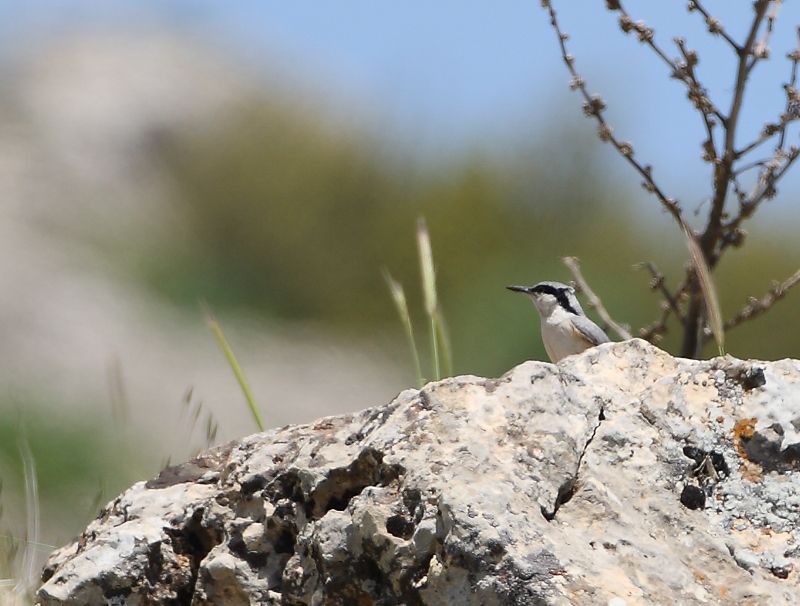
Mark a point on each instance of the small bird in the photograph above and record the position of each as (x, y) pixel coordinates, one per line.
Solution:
(566, 330)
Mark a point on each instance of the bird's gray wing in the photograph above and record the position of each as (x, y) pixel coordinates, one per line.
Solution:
(589, 330)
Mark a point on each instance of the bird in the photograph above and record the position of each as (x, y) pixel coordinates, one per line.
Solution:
(566, 330)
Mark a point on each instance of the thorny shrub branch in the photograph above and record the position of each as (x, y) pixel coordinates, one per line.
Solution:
(686, 303)
(593, 107)
(595, 303)
(714, 26)
(658, 282)
(756, 307)
(772, 169)
(680, 70)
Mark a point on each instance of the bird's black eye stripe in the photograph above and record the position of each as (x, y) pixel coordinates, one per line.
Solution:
(559, 293)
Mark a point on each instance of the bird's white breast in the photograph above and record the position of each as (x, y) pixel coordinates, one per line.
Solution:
(559, 336)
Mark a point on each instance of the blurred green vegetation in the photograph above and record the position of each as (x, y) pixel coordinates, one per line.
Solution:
(281, 211)
(81, 462)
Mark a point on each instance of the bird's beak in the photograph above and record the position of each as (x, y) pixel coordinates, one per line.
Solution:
(525, 289)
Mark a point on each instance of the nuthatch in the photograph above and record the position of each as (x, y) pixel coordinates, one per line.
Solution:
(566, 330)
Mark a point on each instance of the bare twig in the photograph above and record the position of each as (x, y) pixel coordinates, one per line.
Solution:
(764, 189)
(713, 232)
(671, 304)
(594, 301)
(693, 302)
(790, 113)
(714, 26)
(771, 169)
(740, 170)
(756, 307)
(594, 107)
(684, 72)
(698, 96)
(761, 49)
(654, 332)
(658, 282)
(723, 175)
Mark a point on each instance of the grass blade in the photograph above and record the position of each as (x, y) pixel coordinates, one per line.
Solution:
(216, 329)
(444, 344)
(437, 364)
(399, 298)
(426, 267)
(708, 289)
(428, 274)
(28, 576)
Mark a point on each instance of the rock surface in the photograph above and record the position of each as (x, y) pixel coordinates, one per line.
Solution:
(619, 476)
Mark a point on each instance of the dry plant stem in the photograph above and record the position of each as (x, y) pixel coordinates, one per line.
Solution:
(594, 106)
(789, 114)
(685, 73)
(699, 97)
(715, 27)
(761, 49)
(723, 175)
(658, 282)
(756, 307)
(653, 332)
(720, 231)
(724, 171)
(772, 169)
(595, 303)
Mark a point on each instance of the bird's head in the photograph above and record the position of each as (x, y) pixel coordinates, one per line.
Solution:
(549, 296)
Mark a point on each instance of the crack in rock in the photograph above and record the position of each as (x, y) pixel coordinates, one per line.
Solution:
(567, 489)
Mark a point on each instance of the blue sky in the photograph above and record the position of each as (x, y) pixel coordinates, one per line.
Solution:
(450, 73)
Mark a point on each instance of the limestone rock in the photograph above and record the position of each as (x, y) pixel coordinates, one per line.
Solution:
(619, 476)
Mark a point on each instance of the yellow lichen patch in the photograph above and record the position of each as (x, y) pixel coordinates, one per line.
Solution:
(699, 576)
(743, 431)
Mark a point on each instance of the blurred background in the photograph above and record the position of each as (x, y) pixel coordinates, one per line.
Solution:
(270, 158)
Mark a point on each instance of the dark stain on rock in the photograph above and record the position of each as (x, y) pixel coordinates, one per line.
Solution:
(192, 471)
(693, 497)
(782, 572)
(764, 447)
(353, 438)
(491, 385)
(749, 377)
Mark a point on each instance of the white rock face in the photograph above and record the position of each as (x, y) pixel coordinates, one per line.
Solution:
(620, 476)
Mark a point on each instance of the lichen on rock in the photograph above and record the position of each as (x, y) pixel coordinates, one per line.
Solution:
(622, 475)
